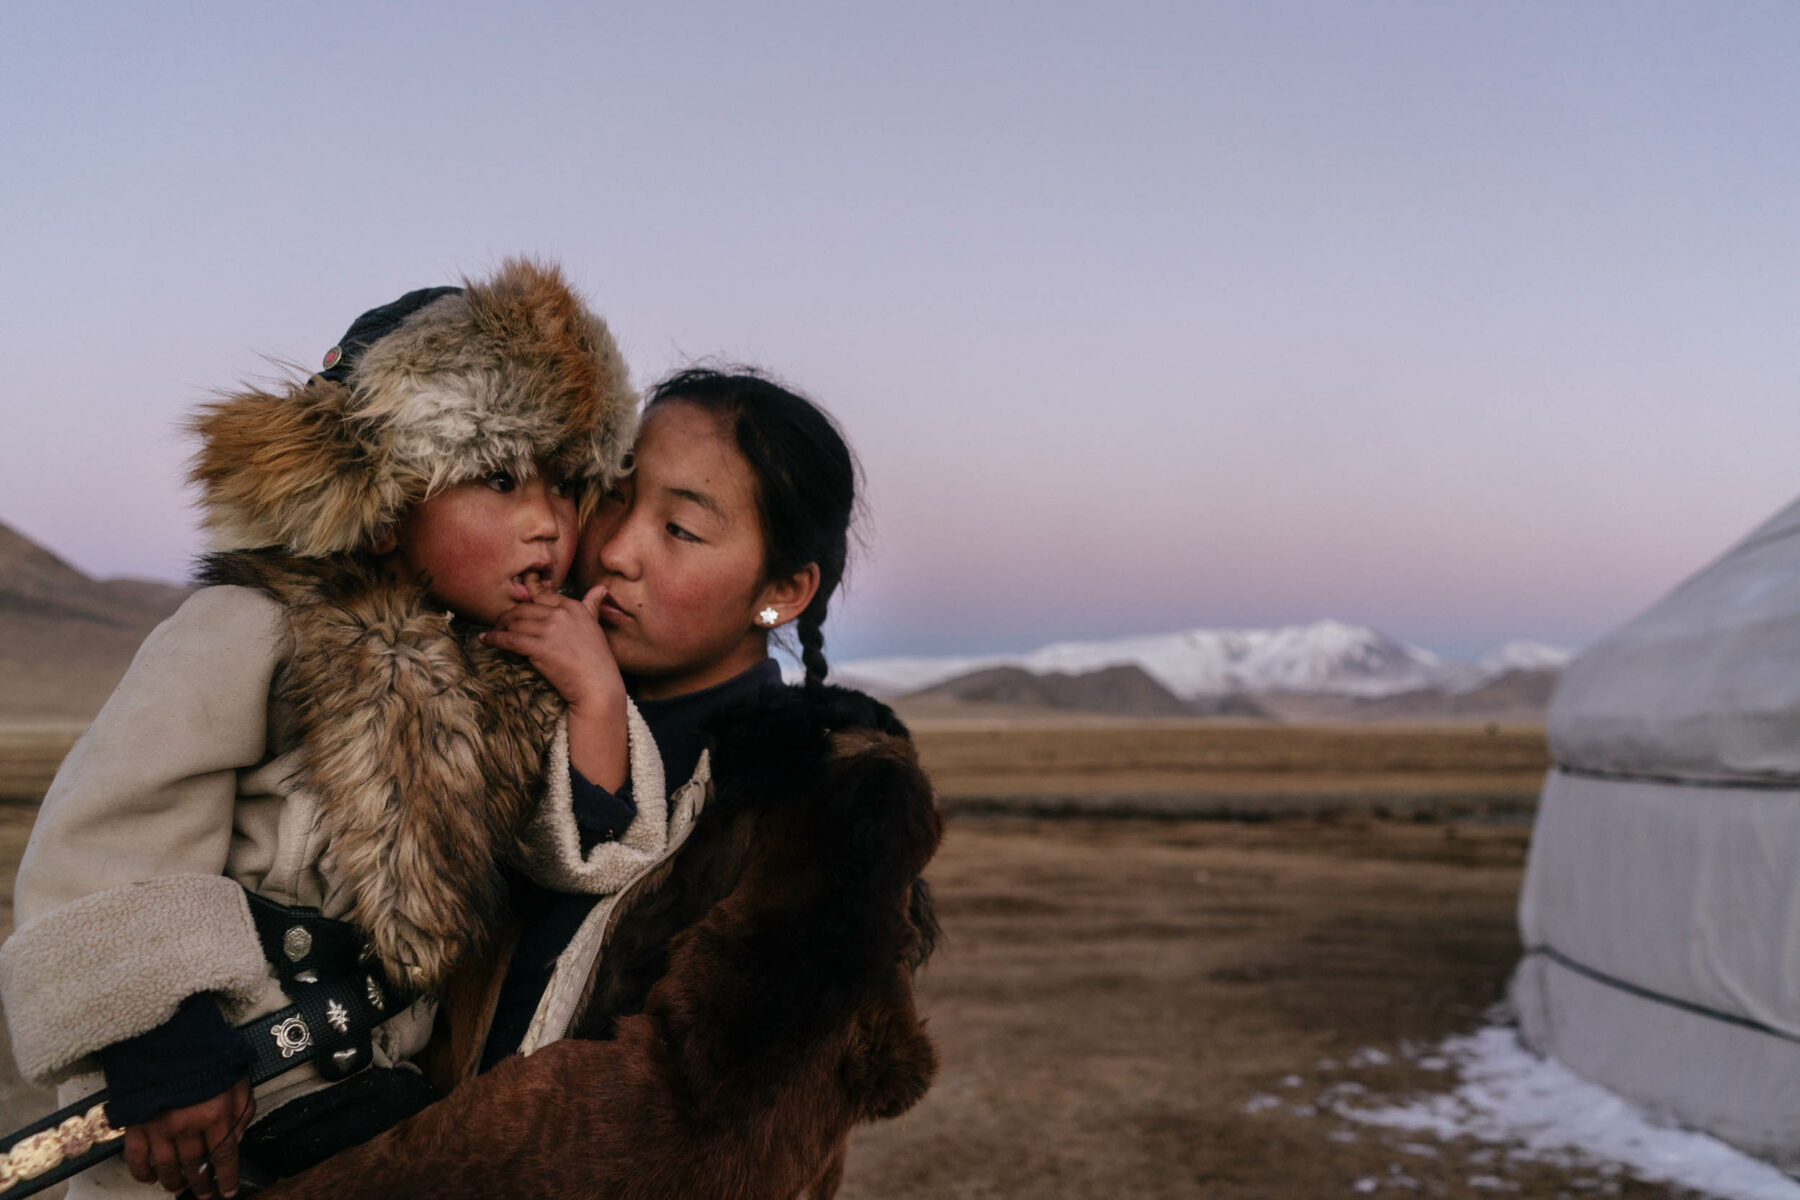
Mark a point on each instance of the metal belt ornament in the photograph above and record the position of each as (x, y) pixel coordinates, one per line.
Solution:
(341, 1000)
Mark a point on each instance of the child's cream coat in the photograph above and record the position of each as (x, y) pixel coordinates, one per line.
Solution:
(308, 727)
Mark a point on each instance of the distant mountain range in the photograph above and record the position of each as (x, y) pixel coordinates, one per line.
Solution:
(1126, 690)
(1326, 670)
(66, 637)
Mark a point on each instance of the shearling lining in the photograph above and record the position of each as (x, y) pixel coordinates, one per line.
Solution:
(611, 870)
(118, 963)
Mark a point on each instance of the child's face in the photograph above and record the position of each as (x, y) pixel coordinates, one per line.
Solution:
(469, 543)
(679, 547)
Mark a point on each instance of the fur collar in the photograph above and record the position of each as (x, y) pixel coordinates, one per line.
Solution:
(422, 745)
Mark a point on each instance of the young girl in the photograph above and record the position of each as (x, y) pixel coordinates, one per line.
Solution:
(734, 989)
(295, 805)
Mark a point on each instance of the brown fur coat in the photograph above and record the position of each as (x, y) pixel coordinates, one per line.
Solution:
(424, 745)
(753, 1004)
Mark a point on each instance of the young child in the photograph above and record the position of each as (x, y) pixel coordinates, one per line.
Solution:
(302, 792)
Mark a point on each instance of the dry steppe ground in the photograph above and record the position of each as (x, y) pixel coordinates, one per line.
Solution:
(1218, 768)
(1113, 991)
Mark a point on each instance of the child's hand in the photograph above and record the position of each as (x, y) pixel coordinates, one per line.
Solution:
(194, 1147)
(564, 641)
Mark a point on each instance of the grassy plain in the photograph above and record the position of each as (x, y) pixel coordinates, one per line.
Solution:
(1112, 992)
(29, 755)
(1112, 766)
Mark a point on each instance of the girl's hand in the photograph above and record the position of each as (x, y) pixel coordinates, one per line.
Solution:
(562, 638)
(193, 1148)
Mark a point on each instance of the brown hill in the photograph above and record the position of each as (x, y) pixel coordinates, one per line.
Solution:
(1517, 695)
(1514, 696)
(66, 637)
(1121, 690)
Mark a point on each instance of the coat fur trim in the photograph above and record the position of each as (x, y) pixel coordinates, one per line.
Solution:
(421, 744)
(571, 982)
(552, 841)
(514, 369)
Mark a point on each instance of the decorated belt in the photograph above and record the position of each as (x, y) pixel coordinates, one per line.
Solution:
(341, 999)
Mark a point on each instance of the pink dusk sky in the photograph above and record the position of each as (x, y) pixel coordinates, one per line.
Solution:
(1467, 322)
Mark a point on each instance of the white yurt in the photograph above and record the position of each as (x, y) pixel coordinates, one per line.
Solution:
(1661, 906)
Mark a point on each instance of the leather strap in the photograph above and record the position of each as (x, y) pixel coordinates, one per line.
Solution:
(341, 996)
(339, 1000)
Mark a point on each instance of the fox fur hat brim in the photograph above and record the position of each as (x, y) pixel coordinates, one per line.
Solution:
(510, 372)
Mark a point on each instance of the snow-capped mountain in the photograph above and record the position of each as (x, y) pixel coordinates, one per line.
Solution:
(1329, 657)
(1524, 656)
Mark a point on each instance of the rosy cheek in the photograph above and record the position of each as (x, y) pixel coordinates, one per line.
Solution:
(680, 600)
(692, 603)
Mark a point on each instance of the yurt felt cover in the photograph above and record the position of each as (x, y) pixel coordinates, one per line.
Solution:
(1661, 906)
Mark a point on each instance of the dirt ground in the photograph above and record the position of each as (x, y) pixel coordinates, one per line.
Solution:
(1112, 993)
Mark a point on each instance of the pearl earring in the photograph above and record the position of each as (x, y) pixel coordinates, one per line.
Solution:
(768, 616)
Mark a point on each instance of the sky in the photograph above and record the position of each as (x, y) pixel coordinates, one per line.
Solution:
(1467, 322)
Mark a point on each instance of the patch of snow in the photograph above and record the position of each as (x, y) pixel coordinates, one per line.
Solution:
(1326, 656)
(1524, 656)
(1546, 1113)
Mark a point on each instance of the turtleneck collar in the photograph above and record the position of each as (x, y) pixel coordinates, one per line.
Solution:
(677, 722)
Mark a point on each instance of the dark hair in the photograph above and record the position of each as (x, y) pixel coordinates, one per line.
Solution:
(806, 480)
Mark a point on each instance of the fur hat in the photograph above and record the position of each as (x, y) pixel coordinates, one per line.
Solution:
(442, 386)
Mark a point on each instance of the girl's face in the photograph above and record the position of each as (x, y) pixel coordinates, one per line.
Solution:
(469, 543)
(679, 547)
